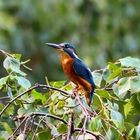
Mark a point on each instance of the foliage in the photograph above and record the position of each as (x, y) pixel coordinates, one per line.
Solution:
(50, 111)
(104, 30)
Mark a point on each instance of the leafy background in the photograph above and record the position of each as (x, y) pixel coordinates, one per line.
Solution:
(29, 113)
(106, 35)
(104, 30)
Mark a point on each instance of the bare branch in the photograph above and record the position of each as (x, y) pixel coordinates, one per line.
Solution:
(98, 137)
(5, 53)
(11, 137)
(70, 126)
(29, 90)
(35, 114)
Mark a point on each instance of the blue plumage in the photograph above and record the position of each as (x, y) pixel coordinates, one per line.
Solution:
(75, 69)
(82, 70)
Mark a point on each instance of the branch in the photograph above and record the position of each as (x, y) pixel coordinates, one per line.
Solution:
(98, 137)
(29, 90)
(35, 114)
(70, 126)
(18, 128)
(106, 121)
(5, 53)
(84, 111)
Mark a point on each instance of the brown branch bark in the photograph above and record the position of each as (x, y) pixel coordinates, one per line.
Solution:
(29, 90)
(35, 114)
(98, 137)
(70, 126)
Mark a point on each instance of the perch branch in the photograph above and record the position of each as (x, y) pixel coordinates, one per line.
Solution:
(29, 90)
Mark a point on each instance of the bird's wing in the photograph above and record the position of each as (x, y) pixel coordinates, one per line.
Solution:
(82, 70)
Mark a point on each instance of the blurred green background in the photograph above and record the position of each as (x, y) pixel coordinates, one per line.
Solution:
(101, 30)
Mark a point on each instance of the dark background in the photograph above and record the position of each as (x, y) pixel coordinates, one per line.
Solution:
(101, 30)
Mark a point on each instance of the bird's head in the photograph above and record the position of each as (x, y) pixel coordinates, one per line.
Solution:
(64, 49)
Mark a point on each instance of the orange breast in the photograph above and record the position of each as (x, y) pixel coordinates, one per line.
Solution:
(67, 64)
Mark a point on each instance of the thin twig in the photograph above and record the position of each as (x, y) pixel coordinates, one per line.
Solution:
(34, 132)
(17, 128)
(29, 90)
(106, 121)
(35, 114)
(5, 53)
(85, 112)
(70, 126)
(27, 127)
(48, 115)
(98, 137)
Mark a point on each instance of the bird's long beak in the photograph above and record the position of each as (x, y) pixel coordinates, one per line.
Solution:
(56, 46)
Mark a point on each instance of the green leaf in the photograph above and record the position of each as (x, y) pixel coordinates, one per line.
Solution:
(138, 97)
(9, 92)
(54, 131)
(135, 103)
(2, 138)
(10, 110)
(62, 128)
(130, 62)
(12, 64)
(44, 135)
(106, 74)
(122, 87)
(97, 101)
(137, 129)
(4, 135)
(125, 84)
(3, 81)
(16, 56)
(23, 82)
(1, 106)
(128, 107)
(135, 84)
(18, 71)
(60, 104)
(70, 102)
(57, 84)
(21, 111)
(97, 78)
(114, 74)
(110, 134)
(11, 61)
(135, 132)
(112, 66)
(103, 93)
(38, 96)
(95, 124)
(86, 136)
(7, 128)
(117, 118)
(113, 134)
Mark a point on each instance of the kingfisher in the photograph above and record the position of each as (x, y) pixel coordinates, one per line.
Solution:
(75, 69)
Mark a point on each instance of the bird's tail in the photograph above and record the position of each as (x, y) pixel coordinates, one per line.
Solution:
(91, 95)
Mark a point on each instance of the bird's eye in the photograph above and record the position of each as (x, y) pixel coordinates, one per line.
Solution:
(66, 46)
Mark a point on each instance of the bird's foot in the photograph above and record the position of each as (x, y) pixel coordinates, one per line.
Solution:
(73, 93)
(75, 90)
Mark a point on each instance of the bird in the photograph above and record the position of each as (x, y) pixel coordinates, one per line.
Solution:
(75, 69)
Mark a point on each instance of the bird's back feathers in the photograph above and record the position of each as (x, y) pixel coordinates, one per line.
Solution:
(84, 72)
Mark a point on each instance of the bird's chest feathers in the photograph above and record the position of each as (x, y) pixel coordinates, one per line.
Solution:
(67, 64)
(66, 61)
